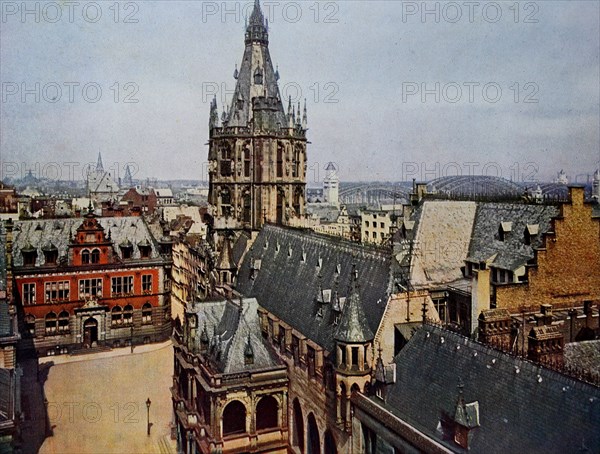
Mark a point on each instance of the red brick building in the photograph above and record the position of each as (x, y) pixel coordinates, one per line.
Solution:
(92, 282)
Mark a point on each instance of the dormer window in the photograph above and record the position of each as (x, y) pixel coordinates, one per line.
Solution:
(29, 255)
(145, 249)
(531, 232)
(504, 229)
(50, 254)
(126, 250)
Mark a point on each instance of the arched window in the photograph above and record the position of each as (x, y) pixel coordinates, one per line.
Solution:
(63, 322)
(247, 161)
(330, 447)
(128, 315)
(313, 442)
(30, 323)
(116, 316)
(96, 256)
(298, 426)
(50, 324)
(234, 418)
(85, 256)
(147, 313)
(266, 413)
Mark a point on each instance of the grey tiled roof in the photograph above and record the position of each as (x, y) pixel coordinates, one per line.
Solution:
(522, 407)
(59, 232)
(227, 329)
(584, 355)
(289, 278)
(353, 326)
(512, 252)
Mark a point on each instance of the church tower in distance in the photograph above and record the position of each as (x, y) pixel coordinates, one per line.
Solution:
(257, 151)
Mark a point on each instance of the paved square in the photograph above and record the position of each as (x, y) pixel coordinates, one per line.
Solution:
(97, 404)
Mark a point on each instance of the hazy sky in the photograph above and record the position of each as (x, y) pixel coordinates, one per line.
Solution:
(393, 92)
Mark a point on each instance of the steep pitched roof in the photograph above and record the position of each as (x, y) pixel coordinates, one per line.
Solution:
(440, 242)
(256, 61)
(229, 329)
(512, 252)
(353, 327)
(522, 406)
(290, 276)
(59, 232)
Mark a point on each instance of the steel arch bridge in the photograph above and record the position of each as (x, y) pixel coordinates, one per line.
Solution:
(357, 193)
(474, 185)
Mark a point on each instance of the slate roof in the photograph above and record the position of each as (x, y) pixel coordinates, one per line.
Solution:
(326, 213)
(289, 278)
(584, 355)
(353, 326)
(256, 58)
(512, 252)
(228, 329)
(59, 232)
(522, 406)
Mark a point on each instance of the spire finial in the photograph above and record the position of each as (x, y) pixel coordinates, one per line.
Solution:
(99, 166)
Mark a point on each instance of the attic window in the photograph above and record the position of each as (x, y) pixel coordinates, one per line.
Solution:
(504, 229)
(29, 255)
(530, 231)
(126, 250)
(145, 249)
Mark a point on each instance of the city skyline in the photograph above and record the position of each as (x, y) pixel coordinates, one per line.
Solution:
(530, 73)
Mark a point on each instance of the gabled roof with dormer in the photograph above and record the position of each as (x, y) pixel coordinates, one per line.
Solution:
(232, 331)
(60, 232)
(522, 407)
(512, 219)
(294, 264)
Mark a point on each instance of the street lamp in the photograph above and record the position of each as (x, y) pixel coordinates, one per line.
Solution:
(148, 414)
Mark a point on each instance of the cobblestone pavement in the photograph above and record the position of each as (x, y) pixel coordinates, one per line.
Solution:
(97, 403)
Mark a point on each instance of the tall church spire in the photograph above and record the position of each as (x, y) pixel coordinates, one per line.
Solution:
(256, 80)
(99, 166)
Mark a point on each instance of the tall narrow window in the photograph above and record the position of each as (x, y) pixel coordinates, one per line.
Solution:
(147, 313)
(280, 161)
(128, 315)
(247, 162)
(95, 256)
(116, 316)
(51, 324)
(63, 322)
(29, 293)
(146, 283)
(85, 256)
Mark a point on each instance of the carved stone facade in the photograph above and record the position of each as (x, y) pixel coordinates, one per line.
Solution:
(257, 152)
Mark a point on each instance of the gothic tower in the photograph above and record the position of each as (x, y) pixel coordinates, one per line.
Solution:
(257, 151)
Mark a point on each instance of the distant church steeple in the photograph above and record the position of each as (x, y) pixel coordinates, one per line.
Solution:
(99, 166)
